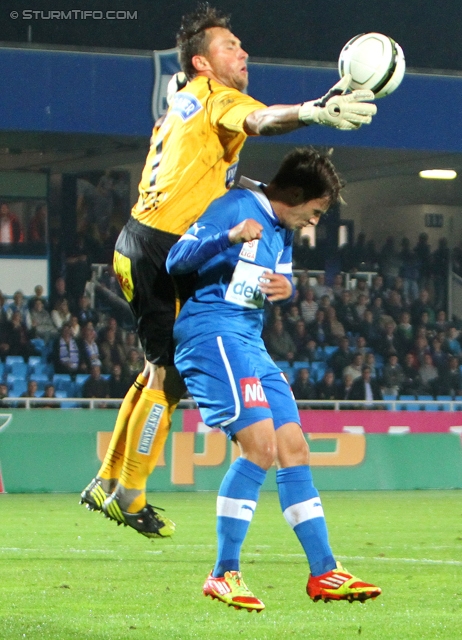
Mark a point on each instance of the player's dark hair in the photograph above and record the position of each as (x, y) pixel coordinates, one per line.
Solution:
(192, 38)
(313, 172)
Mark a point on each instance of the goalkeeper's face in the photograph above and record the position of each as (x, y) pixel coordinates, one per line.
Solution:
(225, 61)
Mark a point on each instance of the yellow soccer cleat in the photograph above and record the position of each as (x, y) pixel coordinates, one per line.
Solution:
(339, 584)
(232, 590)
(93, 495)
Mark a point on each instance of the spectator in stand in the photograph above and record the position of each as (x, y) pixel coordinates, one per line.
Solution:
(85, 312)
(440, 358)
(378, 311)
(324, 303)
(118, 383)
(405, 332)
(3, 316)
(10, 228)
(308, 306)
(89, 347)
(303, 283)
(95, 386)
(409, 272)
(18, 337)
(78, 269)
(37, 228)
(133, 364)
(131, 342)
(303, 388)
(389, 342)
(309, 352)
(454, 341)
(58, 293)
(42, 323)
(360, 308)
(338, 287)
(60, 314)
(3, 395)
(31, 392)
(335, 328)
(411, 384)
(19, 305)
(345, 387)
(377, 289)
(370, 330)
(76, 329)
(38, 290)
(376, 373)
(420, 349)
(428, 376)
(361, 346)
(292, 317)
(278, 342)
(389, 262)
(346, 312)
(393, 305)
(112, 324)
(49, 392)
(318, 329)
(372, 256)
(366, 388)
(66, 355)
(321, 288)
(360, 252)
(450, 379)
(355, 367)
(426, 327)
(393, 376)
(361, 288)
(423, 252)
(341, 358)
(112, 352)
(441, 321)
(300, 337)
(440, 270)
(326, 389)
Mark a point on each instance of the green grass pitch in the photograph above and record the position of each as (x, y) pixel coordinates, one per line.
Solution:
(68, 574)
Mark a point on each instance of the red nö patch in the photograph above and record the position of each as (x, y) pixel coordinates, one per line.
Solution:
(252, 393)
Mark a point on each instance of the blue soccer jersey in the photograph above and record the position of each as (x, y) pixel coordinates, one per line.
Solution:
(220, 352)
(230, 302)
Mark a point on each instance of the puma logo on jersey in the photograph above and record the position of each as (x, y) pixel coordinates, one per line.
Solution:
(252, 393)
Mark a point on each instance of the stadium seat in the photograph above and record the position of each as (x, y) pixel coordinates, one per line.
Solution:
(20, 369)
(329, 351)
(429, 404)
(63, 382)
(407, 407)
(318, 369)
(39, 344)
(389, 398)
(9, 360)
(80, 380)
(42, 368)
(2, 371)
(33, 361)
(445, 400)
(458, 405)
(17, 388)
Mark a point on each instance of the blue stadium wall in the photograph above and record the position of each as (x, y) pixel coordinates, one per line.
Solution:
(107, 93)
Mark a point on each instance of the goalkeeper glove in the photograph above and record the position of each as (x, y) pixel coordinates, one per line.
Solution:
(340, 109)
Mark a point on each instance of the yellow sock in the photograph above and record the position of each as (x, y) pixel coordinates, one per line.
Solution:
(147, 432)
(113, 460)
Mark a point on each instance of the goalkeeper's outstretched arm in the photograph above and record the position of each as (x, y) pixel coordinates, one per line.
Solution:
(337, 109)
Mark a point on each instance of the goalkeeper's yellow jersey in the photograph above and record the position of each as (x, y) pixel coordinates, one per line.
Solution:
(193, 155)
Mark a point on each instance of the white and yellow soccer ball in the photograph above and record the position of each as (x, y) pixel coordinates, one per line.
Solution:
(375, 62)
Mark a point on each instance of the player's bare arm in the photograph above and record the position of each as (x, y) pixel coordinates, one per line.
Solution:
(245, 231)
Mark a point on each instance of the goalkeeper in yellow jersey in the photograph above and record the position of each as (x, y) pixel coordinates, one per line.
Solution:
(192, 161)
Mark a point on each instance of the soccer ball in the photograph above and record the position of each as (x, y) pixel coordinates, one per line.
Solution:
(375, 62)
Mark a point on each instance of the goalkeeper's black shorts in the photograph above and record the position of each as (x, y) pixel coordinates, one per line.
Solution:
(155, 298)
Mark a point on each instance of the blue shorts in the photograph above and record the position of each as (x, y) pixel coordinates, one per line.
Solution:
(235, 384)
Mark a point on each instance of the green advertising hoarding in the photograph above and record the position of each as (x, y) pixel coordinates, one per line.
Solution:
(60, 450)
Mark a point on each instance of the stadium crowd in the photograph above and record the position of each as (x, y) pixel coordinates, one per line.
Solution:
(389, 328)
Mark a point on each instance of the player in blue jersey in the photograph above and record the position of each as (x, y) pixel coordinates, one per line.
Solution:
(241, 248)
